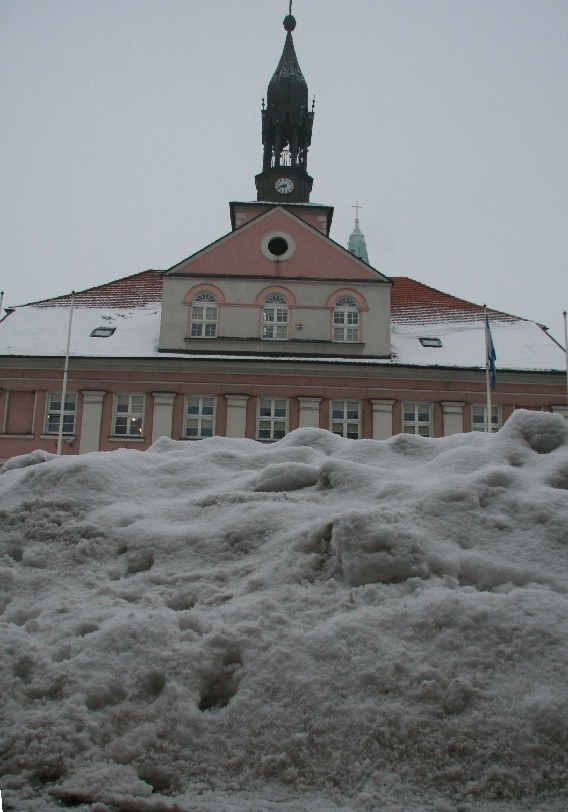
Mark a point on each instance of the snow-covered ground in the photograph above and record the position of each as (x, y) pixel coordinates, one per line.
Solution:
(318, 624)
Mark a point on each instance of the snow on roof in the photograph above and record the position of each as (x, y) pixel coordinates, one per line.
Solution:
(132, 306)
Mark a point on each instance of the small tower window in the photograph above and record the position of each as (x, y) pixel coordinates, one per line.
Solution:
(275, 318)
(204, 316)
(346, 320)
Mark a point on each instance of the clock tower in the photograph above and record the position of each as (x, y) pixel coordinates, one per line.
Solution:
(286, 131)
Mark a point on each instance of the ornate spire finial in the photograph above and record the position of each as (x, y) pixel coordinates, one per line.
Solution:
(289, 20)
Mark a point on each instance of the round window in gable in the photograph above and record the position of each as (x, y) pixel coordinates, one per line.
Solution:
(278, 245)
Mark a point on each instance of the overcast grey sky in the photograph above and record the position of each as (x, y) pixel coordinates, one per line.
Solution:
(128, 126)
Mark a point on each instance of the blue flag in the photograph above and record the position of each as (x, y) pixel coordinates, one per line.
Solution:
(491, 354)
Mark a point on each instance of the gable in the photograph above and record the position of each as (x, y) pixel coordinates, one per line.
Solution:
(310, 255)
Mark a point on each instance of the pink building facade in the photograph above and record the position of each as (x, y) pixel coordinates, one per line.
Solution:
(271, 328)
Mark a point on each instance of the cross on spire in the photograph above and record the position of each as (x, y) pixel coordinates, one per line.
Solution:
(290, 9)
(356, 207)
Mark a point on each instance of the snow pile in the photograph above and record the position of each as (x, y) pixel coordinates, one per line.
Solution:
(317, 624)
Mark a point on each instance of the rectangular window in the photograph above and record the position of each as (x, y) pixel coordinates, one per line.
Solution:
(275, 323)
(272, 423)
(417, 419)
(346, 418)
(53, 412)
(479, 417)
(128, 415)
(346, 325)
(204, 321)
(199, 417)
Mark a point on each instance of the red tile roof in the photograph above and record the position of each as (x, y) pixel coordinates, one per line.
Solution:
(413, 301)
(139, 290)
(410, 300)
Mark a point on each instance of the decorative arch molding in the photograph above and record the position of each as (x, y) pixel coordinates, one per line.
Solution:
(288, 295)
(205, 288)
(353, 294)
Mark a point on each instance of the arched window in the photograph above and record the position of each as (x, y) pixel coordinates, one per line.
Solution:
(345, 320)
(275, 318)
(204, 316)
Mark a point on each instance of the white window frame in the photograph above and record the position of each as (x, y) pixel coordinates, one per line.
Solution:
(200, 422)
(479, 417)
(203, 316)
(132, 415)
(346, 320)
(417, 418)
(53, 413)
(342, 420)
(275, 314)
(272, 419)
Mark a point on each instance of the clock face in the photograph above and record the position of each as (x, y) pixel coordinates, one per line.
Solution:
(284, 185)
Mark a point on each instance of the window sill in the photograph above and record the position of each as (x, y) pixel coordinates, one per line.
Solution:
(124, 438)
(9, 436)
(68, 438)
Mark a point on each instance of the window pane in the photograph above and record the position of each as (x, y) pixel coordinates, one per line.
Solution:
(337, 428)
(279, 408)
(208, 406)
(193, 405)
(197, 313)
(353, 431)
(120, 425)
(52, 422)
(191, 428)
(337, 411)
(207, 428)
(135, 425)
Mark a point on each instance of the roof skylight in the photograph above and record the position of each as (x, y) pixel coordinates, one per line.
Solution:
(102, 332)
(430, 342)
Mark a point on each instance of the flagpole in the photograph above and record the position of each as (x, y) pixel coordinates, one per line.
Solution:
(566, 346)
(489, 425)
(65, 371)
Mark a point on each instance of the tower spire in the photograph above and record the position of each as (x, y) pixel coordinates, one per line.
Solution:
(286, 128)
(357, 244)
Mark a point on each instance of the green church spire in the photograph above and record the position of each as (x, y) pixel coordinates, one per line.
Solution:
(357, 243)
